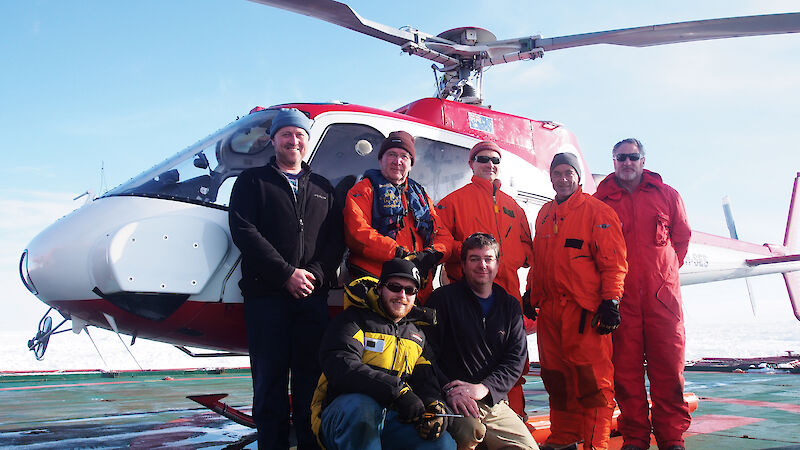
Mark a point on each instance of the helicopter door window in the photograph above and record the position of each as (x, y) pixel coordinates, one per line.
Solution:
(345, 151)
(440, 167)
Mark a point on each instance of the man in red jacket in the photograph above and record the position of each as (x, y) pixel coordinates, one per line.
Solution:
(657, 236)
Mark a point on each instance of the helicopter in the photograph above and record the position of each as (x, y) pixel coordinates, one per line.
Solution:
(152, 258)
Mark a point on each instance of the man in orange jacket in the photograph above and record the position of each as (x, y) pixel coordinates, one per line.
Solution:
(481, 207)
(576, 282)
(388, 215)
(657, 233)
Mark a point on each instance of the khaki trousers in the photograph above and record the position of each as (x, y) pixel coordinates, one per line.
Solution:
(499, 427)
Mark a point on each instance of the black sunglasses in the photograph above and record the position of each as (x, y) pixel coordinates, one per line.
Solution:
(631, 156)
(485, 159)
(394, 287)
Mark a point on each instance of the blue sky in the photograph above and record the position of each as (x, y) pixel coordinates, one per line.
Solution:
(123, 85)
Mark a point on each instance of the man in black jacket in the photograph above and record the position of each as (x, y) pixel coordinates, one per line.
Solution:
(284, 221)
(480, 349)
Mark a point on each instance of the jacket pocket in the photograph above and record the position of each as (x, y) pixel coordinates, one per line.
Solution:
(662, 229)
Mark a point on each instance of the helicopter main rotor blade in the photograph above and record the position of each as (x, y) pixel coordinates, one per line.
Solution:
(672, 33)
(343, 15)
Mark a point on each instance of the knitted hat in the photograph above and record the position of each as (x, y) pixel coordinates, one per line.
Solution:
(567, 158)
(398, 139)
(289, 117)
(402, 268)
(483, 145)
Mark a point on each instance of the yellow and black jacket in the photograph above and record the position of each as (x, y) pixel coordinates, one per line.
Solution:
(365, 352)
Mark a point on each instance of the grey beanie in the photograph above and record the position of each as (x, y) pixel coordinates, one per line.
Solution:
(289, 117)
(567, 158)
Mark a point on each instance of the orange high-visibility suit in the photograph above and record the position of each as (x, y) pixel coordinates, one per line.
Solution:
(482, 207)
(578, 261)
(657, 234)
(369, 249)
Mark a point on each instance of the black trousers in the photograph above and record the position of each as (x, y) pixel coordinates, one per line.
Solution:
(284, 334)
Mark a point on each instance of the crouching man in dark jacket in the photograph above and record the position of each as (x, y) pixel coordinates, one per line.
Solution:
(480, 347)
(378, 389)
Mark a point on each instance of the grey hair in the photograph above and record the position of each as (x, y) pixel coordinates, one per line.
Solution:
(632, 141)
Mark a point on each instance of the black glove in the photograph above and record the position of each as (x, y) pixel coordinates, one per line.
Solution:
(401, 252)
(606, 319)
(528, 309)
(425, 260)
(409, 407)
(431, 427)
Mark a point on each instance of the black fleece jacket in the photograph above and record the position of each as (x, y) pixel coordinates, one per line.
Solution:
(277, 231)
(469, 347)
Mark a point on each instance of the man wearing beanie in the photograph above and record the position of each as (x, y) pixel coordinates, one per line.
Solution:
(285, 277)
(387, 215)
(651, 337)
(365, 398)
(576, 282)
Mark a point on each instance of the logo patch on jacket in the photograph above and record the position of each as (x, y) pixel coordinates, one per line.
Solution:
(573, 243)
(321, 196)
(603, 226)
(415, 335)
(374, 345)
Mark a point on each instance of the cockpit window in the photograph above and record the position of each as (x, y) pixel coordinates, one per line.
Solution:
(347, 150)
(199, 173)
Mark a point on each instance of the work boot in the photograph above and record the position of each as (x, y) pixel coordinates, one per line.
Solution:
(631, 447)
(676, 447)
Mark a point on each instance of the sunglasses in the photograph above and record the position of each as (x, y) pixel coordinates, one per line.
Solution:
(485, 159)
(631, 156)
(394, 287)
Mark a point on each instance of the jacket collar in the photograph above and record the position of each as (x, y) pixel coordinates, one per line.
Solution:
(609, 188)
(305, 168)
(486, 185)
(573, 202)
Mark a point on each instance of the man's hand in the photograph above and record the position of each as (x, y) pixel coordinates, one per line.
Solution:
(409, 407)
(425, 260)
(431, 428)
(606, 319)
(462, 395)
(300, 284)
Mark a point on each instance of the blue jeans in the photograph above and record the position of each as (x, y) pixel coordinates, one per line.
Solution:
(357, 422)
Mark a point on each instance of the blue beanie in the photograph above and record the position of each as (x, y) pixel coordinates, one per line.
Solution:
(289, 117)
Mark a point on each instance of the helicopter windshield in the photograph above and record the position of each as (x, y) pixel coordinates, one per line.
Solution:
(204, 172)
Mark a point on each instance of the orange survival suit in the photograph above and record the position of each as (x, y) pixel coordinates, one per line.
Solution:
(369, 249)
(578, 261)
(657, 234)
(482, 207)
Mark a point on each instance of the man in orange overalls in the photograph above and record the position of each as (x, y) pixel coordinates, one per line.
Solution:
(657, 233)
(576, 282)
(388, 215)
